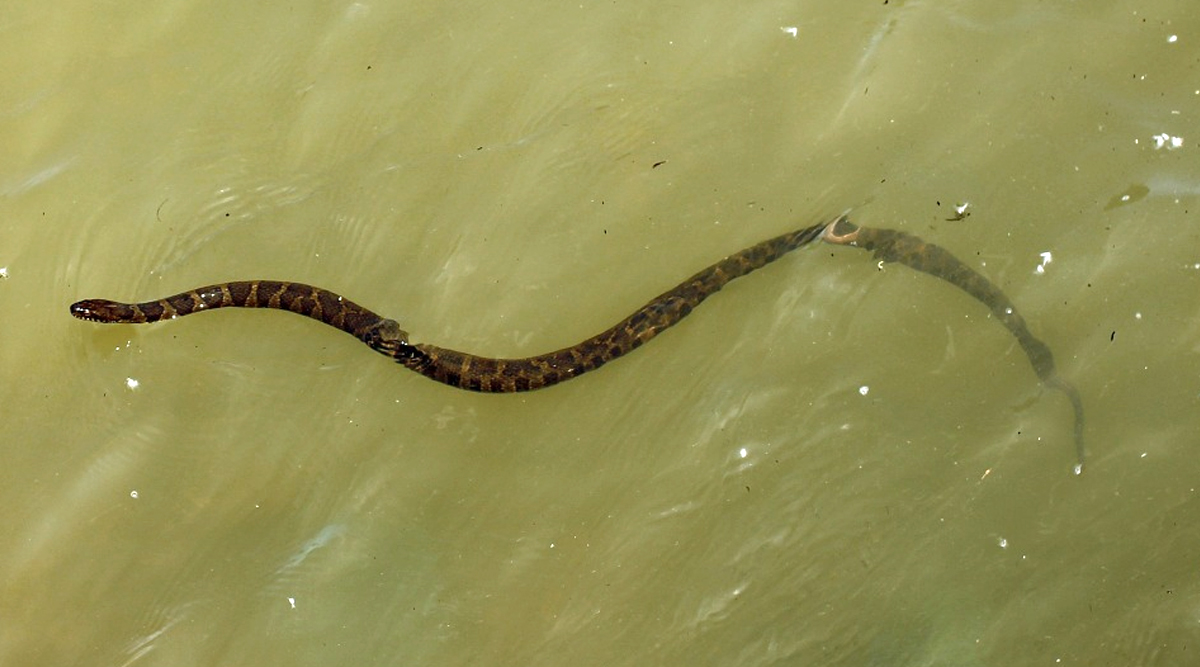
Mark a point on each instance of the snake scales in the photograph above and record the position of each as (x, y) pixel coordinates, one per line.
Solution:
(476, 373)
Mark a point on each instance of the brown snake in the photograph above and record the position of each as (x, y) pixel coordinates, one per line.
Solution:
(487, 374)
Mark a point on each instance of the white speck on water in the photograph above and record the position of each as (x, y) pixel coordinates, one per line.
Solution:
(1167, 141)
(743, 453)
(1171, 39)
(1046, 259)
(3, 272)
(1137, 316)
(133, 494)
(292, 602)
(1003, 543)
(864, 390)
(790, 30)
(132, 383)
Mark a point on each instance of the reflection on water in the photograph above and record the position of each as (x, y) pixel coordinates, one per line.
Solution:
(272, 492)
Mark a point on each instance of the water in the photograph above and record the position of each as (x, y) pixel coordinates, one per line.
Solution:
(830, 462)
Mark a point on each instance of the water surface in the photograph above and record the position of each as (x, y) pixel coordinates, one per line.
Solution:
(830, 462)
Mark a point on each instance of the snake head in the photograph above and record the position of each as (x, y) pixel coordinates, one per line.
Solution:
(102, 310)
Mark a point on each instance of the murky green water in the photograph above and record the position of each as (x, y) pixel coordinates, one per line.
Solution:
(828, 463)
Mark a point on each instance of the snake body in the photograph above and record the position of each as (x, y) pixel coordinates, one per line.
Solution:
(452, 367)
(488, 374)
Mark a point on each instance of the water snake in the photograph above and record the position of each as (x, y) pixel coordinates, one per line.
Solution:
(487, 374)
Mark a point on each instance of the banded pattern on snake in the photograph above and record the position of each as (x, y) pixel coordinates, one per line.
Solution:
(487, 374)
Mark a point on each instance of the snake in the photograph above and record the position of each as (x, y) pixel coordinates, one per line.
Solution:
(499, 375)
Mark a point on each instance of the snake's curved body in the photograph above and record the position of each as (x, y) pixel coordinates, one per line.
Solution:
(488, 374)
(459, 369)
